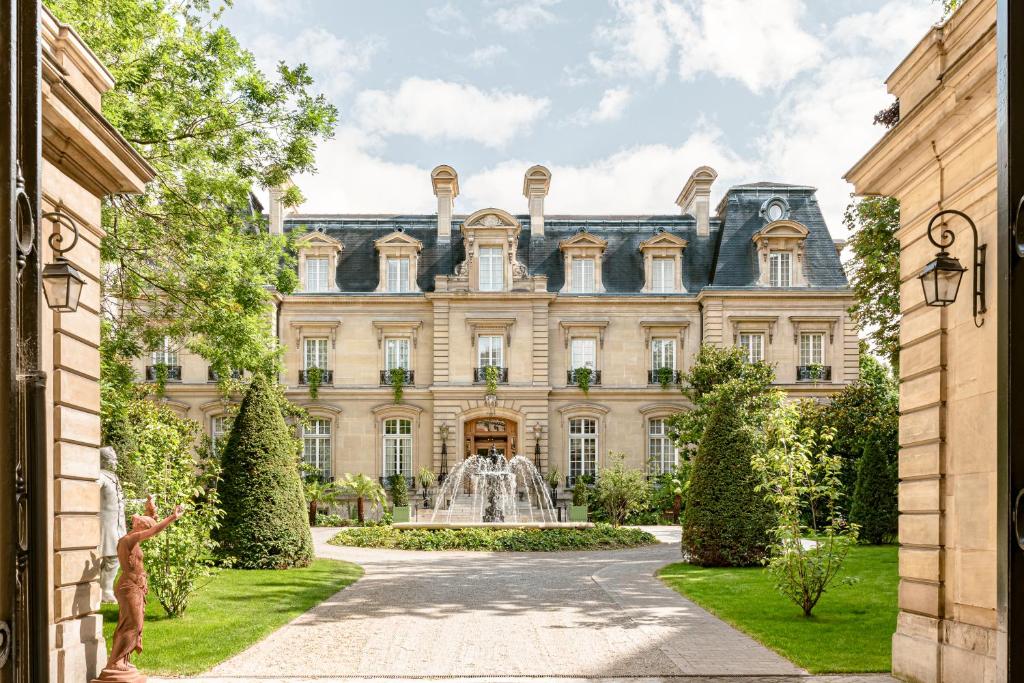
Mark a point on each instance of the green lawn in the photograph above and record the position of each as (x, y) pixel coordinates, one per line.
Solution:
(851, 627)
(234, 610)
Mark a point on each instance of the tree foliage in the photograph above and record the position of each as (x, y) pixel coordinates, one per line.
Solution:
(265, 523)
(187, 258)
(621, 490)
(874, 272)
(365, 490)
(874, 506)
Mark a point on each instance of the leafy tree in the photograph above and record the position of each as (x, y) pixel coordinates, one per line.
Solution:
(621, 490)
(187, 258)
(874, 271)
(318, 492)
(874, 506)
(365, 490)
(796, 469)
(398, 487)
(726, 521)
(265, 522)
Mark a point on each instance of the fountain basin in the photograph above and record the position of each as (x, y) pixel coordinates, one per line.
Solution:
(493, 525)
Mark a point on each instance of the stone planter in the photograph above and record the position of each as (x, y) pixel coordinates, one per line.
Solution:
(577, 513)
(400, 513)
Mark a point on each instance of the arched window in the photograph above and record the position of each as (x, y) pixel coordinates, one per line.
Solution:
(397, 447)
(316, 446)
(582, 447)
(661, 452)
(218, 432)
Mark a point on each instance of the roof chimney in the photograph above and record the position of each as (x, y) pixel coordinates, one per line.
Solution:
(277, 207)
(446, 189)
(535, 188)
(695, 199)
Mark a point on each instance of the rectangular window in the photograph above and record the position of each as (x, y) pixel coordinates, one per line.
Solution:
(582, 446)
(661, 452)
(314, 353)
(316, 275)
(165, 353)
(781, 269)
(316, 446)
(398, 275)
(753, 347)
(812, 348)
(396, 354)
(492, 269)
(490, 351)
(663, 274)
(583, 281)
(663, 354)
(397, 447)
(218, 432)
(584, 354)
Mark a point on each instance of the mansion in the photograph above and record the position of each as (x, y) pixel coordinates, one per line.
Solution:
(442, 297)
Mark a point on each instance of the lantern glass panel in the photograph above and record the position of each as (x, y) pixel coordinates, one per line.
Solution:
(62, 286)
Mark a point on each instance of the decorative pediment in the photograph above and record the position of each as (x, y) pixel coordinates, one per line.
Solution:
(399, 239)
(781, 230)
(583, 240)
(665, 327)
(317, 239)
(663, 240)
(490, 218)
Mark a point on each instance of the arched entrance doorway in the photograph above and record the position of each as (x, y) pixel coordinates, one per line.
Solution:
(485, 432)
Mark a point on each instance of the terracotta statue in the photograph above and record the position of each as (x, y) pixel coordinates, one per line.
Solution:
(131, 592)
(111, 521)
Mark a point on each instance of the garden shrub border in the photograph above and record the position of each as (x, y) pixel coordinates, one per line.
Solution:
(598, 537)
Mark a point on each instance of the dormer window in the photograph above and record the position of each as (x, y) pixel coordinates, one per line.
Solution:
(583, 253)
(398, 255)
(775, 209)
(663, 263)
(780, 269)
(490, 238)
(780, 252)
(663, 271)
(492, 269)
(583, 275)
(318, 260)
(398, 275)
(316, 273)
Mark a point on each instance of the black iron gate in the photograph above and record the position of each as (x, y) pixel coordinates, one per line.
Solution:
(24, 590)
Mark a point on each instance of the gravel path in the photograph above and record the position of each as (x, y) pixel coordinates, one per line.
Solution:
(570, 616)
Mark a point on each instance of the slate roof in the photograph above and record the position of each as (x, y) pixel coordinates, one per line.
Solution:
(725, 258)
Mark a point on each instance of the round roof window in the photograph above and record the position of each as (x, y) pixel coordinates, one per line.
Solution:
(776, 211)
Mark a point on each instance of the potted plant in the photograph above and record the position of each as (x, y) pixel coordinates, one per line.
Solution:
(426, 479)
(815, 371)
(582, 377)
(665, 376)
(552, 480)
(578, 511)
(314, 378)
(364, 490)
(399, 489)
(397, 377)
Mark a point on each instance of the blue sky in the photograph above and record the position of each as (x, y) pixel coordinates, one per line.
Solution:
(620, 99)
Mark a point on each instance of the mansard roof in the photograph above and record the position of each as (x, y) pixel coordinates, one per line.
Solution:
(723, 258)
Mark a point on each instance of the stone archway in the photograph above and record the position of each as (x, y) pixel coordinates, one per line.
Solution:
(514, 421)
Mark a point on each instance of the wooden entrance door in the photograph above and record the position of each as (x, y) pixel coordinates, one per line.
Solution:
(487, 432)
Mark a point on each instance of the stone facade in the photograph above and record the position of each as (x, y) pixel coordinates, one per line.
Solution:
(445, 295)
(942, 155)
(84, 159)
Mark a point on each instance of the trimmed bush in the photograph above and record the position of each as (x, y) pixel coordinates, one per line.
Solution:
(600, 537)
(874, 497)
(726, 520)
(265, 523)
(398, 487)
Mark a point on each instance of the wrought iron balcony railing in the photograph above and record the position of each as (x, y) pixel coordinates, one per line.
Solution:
(571, 380)
(480, 375)
(385, 377)
(409, 480)
(326, 377)
(814, 373)
(654, 377)
(173, 373)
(213, 376)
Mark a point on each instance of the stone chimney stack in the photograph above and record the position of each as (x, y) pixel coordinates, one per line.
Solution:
(695, 199)
(277, 207)
(536, 184)
(446, 189)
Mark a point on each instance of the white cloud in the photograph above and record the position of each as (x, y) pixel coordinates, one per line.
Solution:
(274, 8)
(485, 56)
(515, 16)
(611, 107)
(442, 110)
(640, 44)
(334, 63)
(448, 20)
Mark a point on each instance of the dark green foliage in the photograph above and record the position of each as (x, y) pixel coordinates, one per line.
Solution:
(265, 523)
(581, 491)
(874, 499)
(600, 537)
(726, 521)
(398, 487)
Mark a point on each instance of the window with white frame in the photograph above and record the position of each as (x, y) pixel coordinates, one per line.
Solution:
(314, 353)
(752, 344)
(583, 354)
(492, 269)
(165, 353)
(663, 274)
(663, 353)
(812, 348)
(398, 274)
(316, 446)
(396, 354)
(316, 274)
(490, 351)
(397, 447)
(582, 446)
(218, 432)
(583, 275)
(780, 273)
(661, 452)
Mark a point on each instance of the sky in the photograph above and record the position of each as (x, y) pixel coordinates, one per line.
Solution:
(620, 99)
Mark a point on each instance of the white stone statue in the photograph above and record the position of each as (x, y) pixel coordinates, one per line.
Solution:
(112, 524)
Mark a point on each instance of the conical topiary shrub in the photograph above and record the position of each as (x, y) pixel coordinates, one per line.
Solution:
(726, 521)
(874, 498)
(265, 522)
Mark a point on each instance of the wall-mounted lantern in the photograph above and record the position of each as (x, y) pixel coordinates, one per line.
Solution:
(940, 279)
(62, 283)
